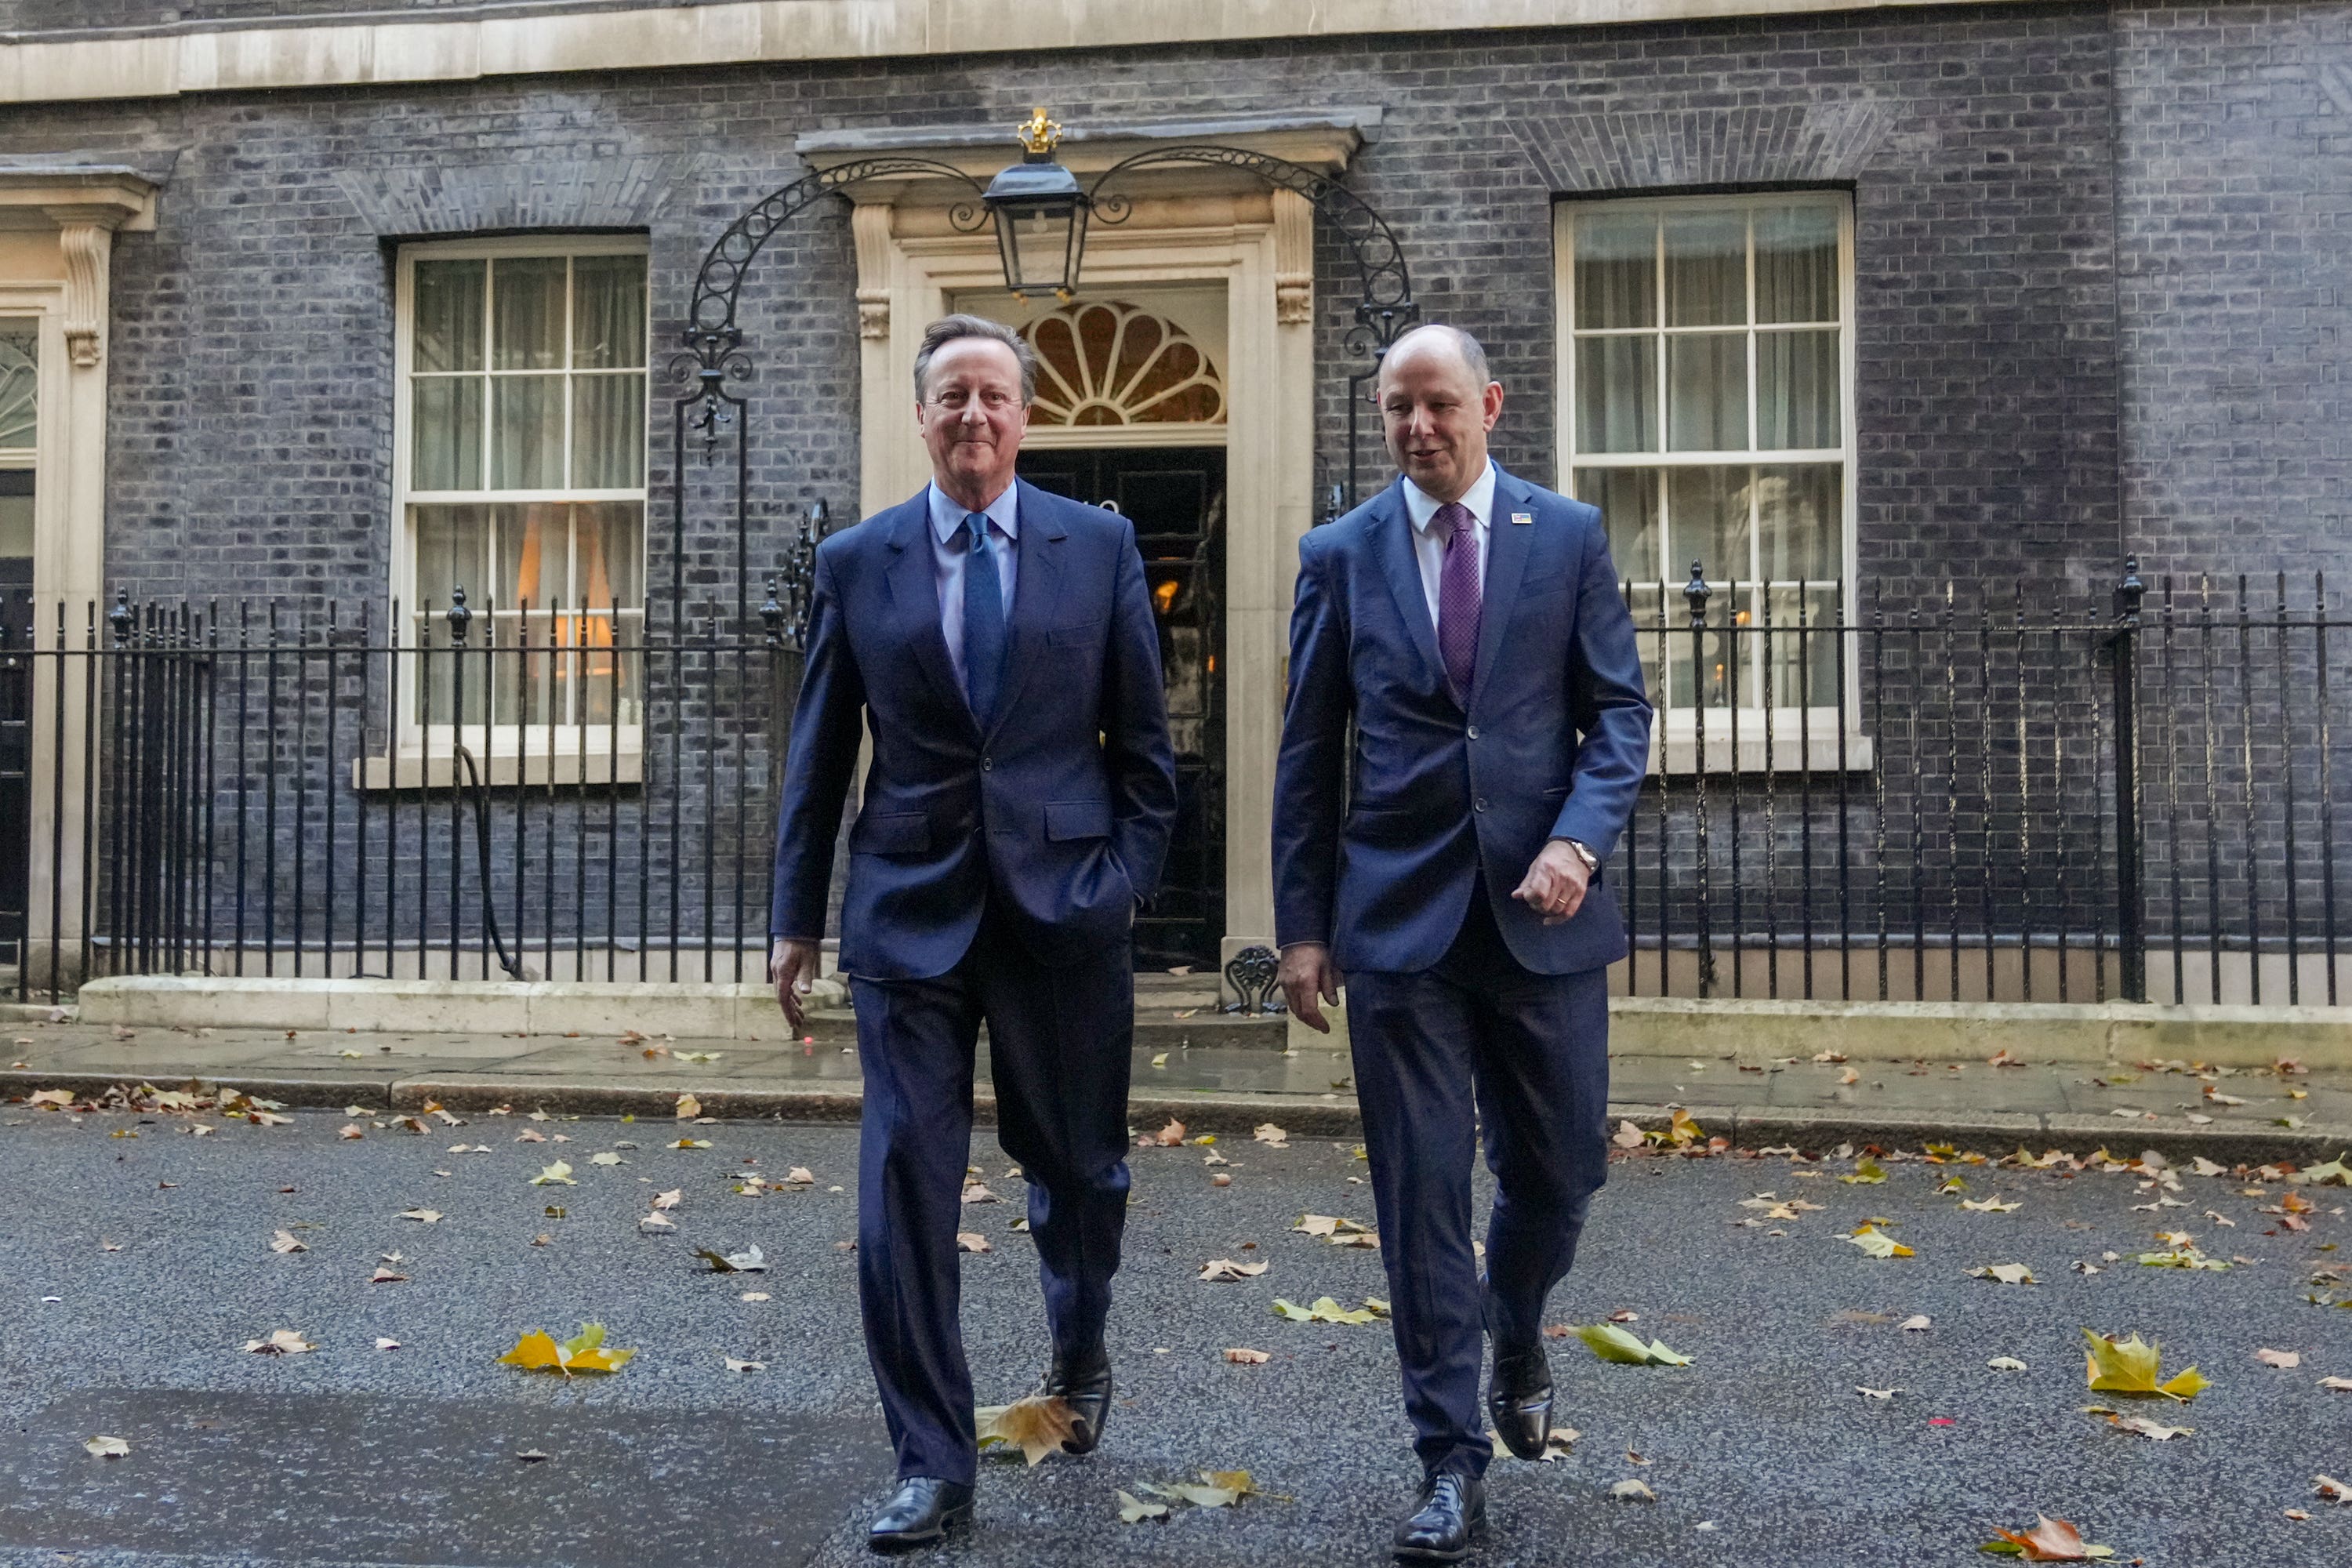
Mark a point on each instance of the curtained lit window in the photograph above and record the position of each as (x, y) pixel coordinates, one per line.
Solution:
(1709, 414)
(522, 425)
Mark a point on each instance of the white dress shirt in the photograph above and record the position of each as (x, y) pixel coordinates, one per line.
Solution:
(952, 547)
(1429, 545)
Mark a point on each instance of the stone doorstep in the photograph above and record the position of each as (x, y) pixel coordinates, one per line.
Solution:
(688, 1010)
(1749, 1031)
(1814, 1131)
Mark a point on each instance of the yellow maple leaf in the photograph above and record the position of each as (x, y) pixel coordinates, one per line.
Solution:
(2131, 1367)
(1037, 1427)
(584, 1351)
(1877, 1243)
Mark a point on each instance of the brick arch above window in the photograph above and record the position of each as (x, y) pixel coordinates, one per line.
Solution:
(1580, 151)
(519, 194)
(1111, 362)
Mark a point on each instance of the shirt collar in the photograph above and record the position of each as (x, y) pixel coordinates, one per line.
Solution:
(947, 515)
(1479, 498)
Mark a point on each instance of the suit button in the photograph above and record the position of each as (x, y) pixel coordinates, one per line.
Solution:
(1474, 731)
(986, 764)
(1480, 805)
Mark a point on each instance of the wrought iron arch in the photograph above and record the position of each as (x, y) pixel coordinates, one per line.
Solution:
(713, 362)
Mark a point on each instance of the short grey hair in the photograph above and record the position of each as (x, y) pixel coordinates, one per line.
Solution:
(962, 324)
(1473, 352)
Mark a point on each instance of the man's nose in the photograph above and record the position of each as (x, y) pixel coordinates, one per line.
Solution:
(1422, 425)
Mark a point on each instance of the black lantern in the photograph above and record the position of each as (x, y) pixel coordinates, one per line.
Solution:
(1041, 216)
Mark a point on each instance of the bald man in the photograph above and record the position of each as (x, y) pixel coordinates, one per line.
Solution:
(1471, 625)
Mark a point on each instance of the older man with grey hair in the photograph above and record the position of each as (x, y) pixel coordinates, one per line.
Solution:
(998, 643)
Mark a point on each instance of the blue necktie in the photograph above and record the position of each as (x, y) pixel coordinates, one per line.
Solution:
(983, 621)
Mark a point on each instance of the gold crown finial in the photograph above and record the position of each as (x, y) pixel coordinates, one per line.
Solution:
(1038, 134)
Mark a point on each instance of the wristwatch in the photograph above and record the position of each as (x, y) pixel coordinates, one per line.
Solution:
(1591, 861)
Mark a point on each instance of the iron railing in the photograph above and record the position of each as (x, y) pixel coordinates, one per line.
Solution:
(2003, 793)
(1951, 794)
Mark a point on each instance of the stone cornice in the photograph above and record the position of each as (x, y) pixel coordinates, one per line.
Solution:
(52, 196)
(369, 47)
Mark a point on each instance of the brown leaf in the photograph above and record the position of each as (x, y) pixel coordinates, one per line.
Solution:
(1037, 1426)
(2050, 1541)
(1241, 1356)
(1225, 1271)
(1171, 1135)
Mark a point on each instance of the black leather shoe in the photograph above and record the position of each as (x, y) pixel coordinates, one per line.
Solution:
(923, 1509)
(1083, 1379)
(1453, 1511)
(1519, 1400)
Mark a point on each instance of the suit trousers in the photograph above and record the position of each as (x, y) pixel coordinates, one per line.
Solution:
(1476, 1041)
(1059, 1040)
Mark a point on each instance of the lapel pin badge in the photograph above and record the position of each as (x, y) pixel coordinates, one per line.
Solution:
(1525, 518)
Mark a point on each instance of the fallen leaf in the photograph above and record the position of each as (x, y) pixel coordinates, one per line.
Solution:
(429, 1217)
(1168, 1136)
(2131, 1367)
(1560, 1442)
(557, 1175)
(1327, 1311)
(1989, 1205)
(750, 1260)
(734, 1365)
(2338, 1384)
(691, 1143)
(2005, 1274)
(1037, 1427)
(2283, 1360)
(1919, 1323)
(107, 1448)
(283, 1241)
(669, 1200)
(1241, 1356)
(1267, 1133)
(2050, 1541)
(688, 1107)
(971, 1241)
(1632, 1491)
(1876, 1392)
(2331, 1489)
(1867, 1173)
(1877, 1243)
(1134, 1510)
(2142, 1426)
(1613, 1344)
(1225, 1271)
(1627, 1136)
(386, 1276)
(2006, 1363)
(281, 1342)
(387, 1344)
(695, 1057)
(584, 1351)
(657, 1222)
(978, 1192)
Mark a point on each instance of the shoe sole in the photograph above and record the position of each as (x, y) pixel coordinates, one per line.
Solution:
(891, 1545)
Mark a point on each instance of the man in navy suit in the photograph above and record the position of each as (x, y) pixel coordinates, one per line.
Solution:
(998, 643)
(1454, 870)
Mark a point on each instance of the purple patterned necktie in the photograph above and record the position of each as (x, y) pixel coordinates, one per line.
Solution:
(1457, 596)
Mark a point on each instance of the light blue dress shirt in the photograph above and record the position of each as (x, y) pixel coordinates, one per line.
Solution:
(952, 546)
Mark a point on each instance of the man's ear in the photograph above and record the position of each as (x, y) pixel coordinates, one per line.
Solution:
(1493, 400)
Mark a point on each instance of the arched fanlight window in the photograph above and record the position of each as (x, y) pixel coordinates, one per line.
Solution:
(1112, 362)
(18, 379)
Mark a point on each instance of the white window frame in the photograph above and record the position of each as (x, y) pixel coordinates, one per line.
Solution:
(506, 752)
(1816, 737)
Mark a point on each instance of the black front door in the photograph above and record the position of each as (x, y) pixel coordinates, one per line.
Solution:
(1176, 499)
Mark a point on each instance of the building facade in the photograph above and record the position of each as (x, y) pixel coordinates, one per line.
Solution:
(350, 310)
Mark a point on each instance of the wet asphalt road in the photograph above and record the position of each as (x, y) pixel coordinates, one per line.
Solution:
(1760, 1453)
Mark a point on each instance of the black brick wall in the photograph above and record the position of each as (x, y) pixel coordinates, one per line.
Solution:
(2021, 416)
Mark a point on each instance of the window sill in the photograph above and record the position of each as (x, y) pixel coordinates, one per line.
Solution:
(1802, 742)
(511, 759)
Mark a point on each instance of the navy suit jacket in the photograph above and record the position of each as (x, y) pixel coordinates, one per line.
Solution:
(1058, 814)
(1378, 862)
